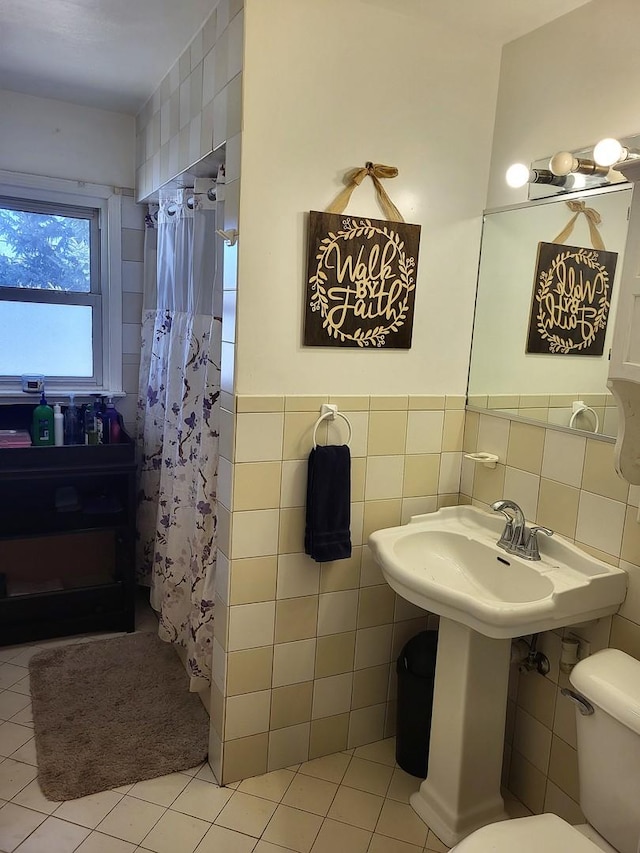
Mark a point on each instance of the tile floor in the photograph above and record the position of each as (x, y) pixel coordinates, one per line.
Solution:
(352, 802)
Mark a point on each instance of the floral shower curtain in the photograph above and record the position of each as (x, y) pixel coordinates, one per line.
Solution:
(177, 429)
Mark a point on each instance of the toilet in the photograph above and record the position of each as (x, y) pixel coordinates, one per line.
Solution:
(609, 771)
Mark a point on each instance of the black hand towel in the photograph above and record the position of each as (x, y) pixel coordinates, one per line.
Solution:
(327, 535)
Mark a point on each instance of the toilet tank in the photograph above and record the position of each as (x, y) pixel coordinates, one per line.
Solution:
(609, 746)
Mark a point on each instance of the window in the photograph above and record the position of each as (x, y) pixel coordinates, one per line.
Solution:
(56, 290)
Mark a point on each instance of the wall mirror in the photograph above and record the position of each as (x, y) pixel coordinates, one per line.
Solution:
(549, 387)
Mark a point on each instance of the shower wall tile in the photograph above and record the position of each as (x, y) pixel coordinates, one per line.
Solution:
(180, 117)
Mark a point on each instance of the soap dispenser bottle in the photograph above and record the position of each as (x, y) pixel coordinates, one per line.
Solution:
(58, 425)
(111, 429)
(42, 426)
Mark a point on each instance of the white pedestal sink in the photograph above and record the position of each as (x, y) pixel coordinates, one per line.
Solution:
(448, 563)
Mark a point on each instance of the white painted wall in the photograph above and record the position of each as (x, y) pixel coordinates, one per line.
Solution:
(565, 86)
(327, 86)
(56, 139)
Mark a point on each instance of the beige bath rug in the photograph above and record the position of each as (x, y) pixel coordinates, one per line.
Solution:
(111, 712)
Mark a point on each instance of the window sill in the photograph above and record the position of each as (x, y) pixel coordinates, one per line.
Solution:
(55, 395)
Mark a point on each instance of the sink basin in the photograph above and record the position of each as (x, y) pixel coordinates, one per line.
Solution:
(448, 563)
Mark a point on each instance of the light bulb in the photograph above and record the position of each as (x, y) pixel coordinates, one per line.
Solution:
(575, 181)
(608, 151)
(517, 175)
(563, 163)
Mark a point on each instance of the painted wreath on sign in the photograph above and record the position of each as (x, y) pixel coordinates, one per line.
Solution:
(367, 280)
(570, 301)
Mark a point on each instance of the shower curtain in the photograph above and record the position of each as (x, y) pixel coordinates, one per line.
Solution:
(177, 424)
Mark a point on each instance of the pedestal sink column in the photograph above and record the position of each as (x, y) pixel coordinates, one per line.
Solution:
(462, 790)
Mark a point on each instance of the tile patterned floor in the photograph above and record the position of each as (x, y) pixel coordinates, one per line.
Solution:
(352, 802)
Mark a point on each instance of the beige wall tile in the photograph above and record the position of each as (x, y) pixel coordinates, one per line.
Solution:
(247, 714)
(379, 514)
(341, 574)
(563, 457)
(249, 670)
(256, 485)
(337, 612)
(453, 433)
(421, 474)
(298, 434)
(332, 695)
(296, 618)
(328, 735)
(600, 522)
(537, 695)
(293, 489)
(449, 476)
(224, 489)
(335, 654)
(471, 425)
(360, 432)
(370, 686)
(493, 436)
(251, 625)
(563, 768)
(358, 478)
(291, 705)
(532, 740)
(259, 437)
(224, 529)
(387, 433)
(384, 477)
(376, 606)
(625, 635)
(373, 646)
(293, 662)
(253, 579)
(366, 725)
(557, 802)
(523, 488)
(455, 401)
(350, 404)
(418, 401)
(425, 432)
(291, 534)
(217, 708)
(245, 757)
(488, 483)
(631, 537)
(298, 575)
(526, 445)
(227, 434)
(380, 402)
(266, 403)
(417, 506)
(221, 623)
(288, 746)
(599, 475)
(558, 507)
(254, 533)
(527, 782)
(305, 403)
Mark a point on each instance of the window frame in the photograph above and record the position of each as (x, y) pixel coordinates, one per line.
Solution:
(34, 190)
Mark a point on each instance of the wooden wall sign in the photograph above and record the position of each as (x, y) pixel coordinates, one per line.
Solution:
(361, 279)
(571, 300)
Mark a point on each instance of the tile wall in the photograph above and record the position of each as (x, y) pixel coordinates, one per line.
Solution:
(566, 482)
(304, 652)
(198, 106)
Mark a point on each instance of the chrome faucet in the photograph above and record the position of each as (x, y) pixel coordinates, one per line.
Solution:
(516, 538)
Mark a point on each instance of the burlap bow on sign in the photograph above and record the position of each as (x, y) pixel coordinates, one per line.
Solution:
(593, 219)
(375, 171)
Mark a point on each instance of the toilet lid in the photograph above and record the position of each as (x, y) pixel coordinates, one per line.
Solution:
(545, 832)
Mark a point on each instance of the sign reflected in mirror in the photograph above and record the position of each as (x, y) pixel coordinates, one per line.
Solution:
(539, 385)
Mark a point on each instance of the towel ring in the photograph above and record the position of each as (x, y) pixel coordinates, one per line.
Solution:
(330, 413)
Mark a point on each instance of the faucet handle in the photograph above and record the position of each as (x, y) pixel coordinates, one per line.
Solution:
(506, 537)
(530, 550)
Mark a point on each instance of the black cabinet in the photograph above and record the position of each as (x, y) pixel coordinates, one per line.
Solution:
(67, 540)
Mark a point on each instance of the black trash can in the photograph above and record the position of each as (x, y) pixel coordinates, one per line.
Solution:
(416, 669)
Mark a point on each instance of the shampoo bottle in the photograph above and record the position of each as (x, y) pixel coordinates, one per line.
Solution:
(111, 424)
(58, 425)
(42, 430)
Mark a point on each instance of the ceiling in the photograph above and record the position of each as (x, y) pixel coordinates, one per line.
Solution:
(113, 54)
